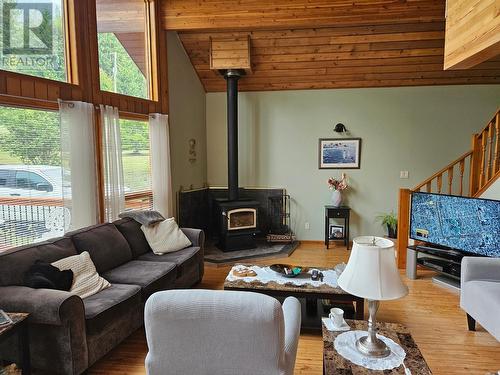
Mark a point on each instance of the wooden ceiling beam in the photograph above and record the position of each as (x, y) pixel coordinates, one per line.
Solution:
(472, 32)
(357, 84)
(206, 15)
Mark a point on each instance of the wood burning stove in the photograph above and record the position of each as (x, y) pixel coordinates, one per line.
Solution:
(238, 217)
(238, 224)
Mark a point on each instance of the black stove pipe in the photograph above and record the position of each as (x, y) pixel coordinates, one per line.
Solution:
(232, 77)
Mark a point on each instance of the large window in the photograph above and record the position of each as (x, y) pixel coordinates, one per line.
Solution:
(123, 51)
(136, 163)
(31, 177)
(33, 38)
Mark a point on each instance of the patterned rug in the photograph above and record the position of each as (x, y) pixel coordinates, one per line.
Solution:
(264, 249)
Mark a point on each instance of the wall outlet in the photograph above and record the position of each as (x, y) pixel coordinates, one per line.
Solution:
(403, 174)
(307, 226)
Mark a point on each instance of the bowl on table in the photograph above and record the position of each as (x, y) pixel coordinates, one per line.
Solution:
(288, 270)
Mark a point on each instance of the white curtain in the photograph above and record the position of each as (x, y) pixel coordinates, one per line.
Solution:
(160, 164)
(114, 192)
(78, 164)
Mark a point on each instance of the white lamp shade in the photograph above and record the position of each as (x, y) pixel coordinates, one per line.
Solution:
(371, 271)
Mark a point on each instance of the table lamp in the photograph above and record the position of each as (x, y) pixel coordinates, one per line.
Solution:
(371, 273)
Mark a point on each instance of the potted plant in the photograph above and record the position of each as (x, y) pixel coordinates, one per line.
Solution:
(391, 222)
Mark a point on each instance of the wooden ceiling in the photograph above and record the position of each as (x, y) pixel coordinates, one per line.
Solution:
(316, 44)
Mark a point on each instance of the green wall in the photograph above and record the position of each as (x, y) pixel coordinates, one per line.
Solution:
(186, 117)
(417, 129)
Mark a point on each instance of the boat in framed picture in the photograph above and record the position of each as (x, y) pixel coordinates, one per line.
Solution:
(339, 153)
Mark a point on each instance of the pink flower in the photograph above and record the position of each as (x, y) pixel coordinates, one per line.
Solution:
(335, 184)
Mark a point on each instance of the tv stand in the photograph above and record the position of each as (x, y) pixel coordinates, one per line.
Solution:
(446, 262)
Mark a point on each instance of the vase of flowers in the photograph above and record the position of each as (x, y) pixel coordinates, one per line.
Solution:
(336, 186)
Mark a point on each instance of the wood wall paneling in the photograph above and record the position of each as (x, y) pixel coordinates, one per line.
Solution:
(207, 15)
(339, 57)
(233, 53)
(472, 32)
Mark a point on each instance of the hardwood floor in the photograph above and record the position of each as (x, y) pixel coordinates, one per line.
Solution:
(432, 313)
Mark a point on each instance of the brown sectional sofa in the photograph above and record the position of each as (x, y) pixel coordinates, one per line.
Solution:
(68, 334)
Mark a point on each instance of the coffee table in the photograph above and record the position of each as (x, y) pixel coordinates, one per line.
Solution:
(309, 292)
(334, 363)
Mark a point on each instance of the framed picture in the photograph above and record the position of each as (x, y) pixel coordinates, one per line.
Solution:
(339, 153)
(336, 231)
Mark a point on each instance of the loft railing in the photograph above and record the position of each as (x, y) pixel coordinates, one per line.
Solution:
(469, 175)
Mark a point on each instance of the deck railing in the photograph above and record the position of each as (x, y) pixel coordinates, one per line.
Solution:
(469, 175)
(24, 220)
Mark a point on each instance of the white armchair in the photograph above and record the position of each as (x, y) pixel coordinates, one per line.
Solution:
(480, 293)
(200, 332)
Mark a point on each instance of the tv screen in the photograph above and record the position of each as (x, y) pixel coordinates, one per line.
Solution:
(468, 224)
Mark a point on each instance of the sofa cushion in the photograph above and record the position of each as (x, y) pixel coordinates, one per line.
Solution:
(14, 263)
(43, 275)
(187, 261)
(105, 244)
(165, 236)
(131, 230)
(150, 276)
(86, 281)
(177, 257)
(109, 304)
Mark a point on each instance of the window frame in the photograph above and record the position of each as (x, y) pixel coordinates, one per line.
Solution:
(151, 23)
(70, 49)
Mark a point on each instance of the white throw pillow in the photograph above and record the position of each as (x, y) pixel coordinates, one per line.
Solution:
(165, 237)
(86, 280)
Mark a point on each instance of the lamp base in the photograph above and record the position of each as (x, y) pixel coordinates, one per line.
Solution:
(371, 345)
(370, 348)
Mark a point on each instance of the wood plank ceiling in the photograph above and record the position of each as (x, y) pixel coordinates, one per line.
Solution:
(317, 44)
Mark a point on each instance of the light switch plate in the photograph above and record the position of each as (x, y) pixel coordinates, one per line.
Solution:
(403, 174)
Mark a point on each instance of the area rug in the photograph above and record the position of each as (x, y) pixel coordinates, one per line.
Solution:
(264, 249)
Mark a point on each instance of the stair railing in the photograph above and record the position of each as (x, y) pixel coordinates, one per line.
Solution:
(469, 175)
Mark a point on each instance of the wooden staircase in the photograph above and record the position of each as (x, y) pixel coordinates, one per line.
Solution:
(470, 176)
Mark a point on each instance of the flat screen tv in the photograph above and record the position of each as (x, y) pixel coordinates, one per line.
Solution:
(468, 224)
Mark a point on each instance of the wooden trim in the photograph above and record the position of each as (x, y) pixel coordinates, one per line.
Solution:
(403, 226)
(152, 49)
(474, 165)
(139, 194)
(133, 116)
(439, 174)
(31, 103)
(25, 201)
(72, 46)
(496, 156)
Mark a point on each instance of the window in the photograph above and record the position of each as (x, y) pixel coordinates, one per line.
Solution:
(33, 38)
(4, 175)
(123, 52)
(31, 181)
(31, 191)
(136, 160)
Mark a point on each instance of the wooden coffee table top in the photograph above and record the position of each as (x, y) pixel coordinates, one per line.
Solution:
(287, 287)
(16, 319)
(334, 363)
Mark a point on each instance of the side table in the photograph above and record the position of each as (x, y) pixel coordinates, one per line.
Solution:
(332, 212)
(334, 363)
(19, 326)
